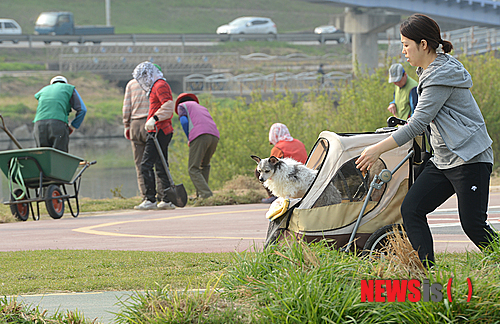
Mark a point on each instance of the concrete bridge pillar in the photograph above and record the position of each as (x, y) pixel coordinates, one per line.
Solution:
(364, 27)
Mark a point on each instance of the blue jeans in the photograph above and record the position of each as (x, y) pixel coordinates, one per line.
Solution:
(432, 188)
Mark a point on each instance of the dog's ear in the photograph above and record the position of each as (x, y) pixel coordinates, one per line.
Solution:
(273, 160)
(255, 158)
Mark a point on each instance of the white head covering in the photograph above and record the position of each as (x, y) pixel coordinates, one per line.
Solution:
(279, 132)
(146, 73)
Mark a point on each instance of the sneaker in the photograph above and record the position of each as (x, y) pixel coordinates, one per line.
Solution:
(146, 205)
(165, 205)
(268, 200)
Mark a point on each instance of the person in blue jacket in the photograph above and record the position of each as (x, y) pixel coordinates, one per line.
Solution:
(55, 103)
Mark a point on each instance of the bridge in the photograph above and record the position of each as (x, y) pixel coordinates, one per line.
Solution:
(485, 13)
(365, 18)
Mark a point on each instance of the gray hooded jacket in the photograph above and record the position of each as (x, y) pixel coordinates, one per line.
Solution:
(446, 103)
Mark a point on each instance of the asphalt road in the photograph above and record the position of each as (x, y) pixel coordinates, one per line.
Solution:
(192, 229)
(195, 229)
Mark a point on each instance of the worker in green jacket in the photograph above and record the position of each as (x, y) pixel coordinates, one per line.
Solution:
(55, 103)
(405, 92)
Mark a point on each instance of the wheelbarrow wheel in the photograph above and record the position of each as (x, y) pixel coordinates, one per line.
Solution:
(54, 204)
(374, 246)
(20, 211)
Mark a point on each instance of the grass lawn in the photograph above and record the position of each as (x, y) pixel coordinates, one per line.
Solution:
(46, 271)
(286, 283)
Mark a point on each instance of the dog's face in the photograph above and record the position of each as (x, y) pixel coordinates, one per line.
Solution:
(265, 167)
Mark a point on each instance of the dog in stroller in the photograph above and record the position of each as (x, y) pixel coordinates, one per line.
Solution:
(367, 214)
(287, 178)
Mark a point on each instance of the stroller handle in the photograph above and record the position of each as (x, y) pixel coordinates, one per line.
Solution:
(393, 121)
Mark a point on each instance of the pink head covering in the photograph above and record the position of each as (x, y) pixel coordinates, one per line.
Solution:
(279, 132)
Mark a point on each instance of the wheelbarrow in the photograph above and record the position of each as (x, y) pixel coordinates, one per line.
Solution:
(46, 171)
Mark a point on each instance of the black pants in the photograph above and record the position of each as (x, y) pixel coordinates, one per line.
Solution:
(51, 133)
(150, 159)
(432, 188)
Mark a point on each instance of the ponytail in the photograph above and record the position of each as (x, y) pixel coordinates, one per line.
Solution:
(447, 45)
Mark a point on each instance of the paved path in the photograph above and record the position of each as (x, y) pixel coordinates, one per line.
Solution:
(200, 229)
(195, 229)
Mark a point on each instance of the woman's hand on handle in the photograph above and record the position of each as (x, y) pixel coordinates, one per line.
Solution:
(372, 153)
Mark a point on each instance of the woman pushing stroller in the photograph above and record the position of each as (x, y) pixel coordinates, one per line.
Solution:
(463, 157)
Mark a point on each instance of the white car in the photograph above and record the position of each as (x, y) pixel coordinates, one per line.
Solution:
(331, 32)
(9, 27)
(327, 29)
(249, 25)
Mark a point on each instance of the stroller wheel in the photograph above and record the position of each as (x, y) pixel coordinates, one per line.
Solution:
(377, 241)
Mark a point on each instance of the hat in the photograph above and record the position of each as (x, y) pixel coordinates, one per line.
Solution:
(185, 97)
(396, 72)
(58, 78)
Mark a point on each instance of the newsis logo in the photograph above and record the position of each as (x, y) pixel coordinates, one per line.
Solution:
(412, 290)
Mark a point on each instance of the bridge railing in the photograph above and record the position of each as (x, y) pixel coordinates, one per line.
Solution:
(171, 63)
(170, 38)
(294, 61)
(474, 40)
(468, 41)
(123, 59)
(245, 84)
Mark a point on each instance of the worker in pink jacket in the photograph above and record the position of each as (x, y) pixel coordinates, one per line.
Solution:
(203, 137)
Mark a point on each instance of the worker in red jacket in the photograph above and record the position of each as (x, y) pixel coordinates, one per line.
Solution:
(159, 125)
(285, 146)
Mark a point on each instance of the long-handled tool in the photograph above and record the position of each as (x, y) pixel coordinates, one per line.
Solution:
(10, 134)
(176, 193)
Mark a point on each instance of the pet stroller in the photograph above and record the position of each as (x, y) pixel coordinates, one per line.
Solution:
(371, 201)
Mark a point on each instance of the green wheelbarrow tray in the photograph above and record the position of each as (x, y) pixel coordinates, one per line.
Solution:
(57, 166)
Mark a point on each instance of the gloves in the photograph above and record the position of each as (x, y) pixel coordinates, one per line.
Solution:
(150, 124)
(71, 130)
(126, 133)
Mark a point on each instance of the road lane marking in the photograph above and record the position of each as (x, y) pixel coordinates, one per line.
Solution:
(450, 241)
(92, 229)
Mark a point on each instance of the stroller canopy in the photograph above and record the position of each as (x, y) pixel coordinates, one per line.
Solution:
(334, 155)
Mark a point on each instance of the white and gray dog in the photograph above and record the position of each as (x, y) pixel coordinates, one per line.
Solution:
(287, 178)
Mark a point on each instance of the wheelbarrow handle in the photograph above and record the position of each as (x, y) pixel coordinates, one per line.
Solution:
(10, 134)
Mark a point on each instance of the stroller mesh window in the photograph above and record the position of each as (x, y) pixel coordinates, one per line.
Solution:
(354, 185)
